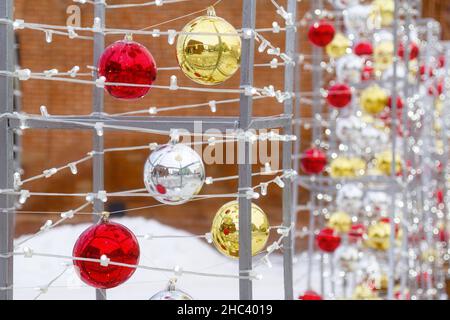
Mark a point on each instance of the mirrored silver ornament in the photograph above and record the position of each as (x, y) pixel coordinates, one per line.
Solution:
(174, 173)
(171, 293)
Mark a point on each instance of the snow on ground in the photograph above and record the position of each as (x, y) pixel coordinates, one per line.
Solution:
(189, 253)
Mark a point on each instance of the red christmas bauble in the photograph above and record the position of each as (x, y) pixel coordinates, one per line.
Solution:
(399, 102)
(310, 295)
(114, 241)
(436, 89)
(339, 95)
(127, 61)
(313, 161)
(441, 61)
(368, 72)
(321, 33)
(413, 51)
(328, 240)
(440, 196)
(356, 232)
(363, 48)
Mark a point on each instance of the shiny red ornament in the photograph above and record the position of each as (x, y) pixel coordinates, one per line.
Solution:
(440, 196)
(441, 61)
(339, 95)
(423, 72)
(328, 240)
(127, 61)
(363, 48)
(413, 51)
(114, 241)
(368, 72)
(436, 89)
(321, 33)
(356, 232)
(310, 295)
(313, 161)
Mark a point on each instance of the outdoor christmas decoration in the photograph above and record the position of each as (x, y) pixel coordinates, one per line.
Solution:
(328, 240)
(127, 62)
(373, 99)
(225, 229)
(174, 173)
(340, 222)
(171, 293)
(110, 243)
(313, 161)
(209, 58)
(321, 33)
(363, 48)
(339, 95)
(338, 47)
(384, 162)
(344, 167)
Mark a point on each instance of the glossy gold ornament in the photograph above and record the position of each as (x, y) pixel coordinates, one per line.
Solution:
(343, 167)
(364, 292)
(373, 99)
(383, 161)
(378, 235)
(383, 11)
(340, 221)
(225, 229)
(383, 55)
(209, 59)
(338, 47)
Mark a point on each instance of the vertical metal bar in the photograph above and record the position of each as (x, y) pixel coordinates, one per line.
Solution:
(245, 150)
(406, 96)
(6, 152)
(288, 246)
(97, 108)
(393, 184)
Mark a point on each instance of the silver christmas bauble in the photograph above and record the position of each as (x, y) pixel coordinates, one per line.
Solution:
(171, 293)
(174, 173)
(349, 69)
(349, 198)
(343, 4)
(356, 19)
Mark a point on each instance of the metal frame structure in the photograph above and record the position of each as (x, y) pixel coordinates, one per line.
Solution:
(245, 121)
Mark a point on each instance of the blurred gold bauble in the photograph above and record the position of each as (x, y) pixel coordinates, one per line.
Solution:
(343, 167)
(338, 47)
(225, 229)
(373, 99)
(382, 282)
(364, 292)
(209, 59)
(383, 161)
(378, 235)
(340, 222)
(383, 11)
(383, 55)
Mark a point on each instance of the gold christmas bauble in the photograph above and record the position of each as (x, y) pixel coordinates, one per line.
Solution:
(340, 222)
(338, 47)
(373, 99)
(383, 55)
(383, 11)
(364, 292)
(225, 229)
(343, 167)
(213, 54)
(383, 161)
(378, 235)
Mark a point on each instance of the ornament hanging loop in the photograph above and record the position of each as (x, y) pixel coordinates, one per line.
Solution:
(128, 37)
(211, 12)
(105, 216)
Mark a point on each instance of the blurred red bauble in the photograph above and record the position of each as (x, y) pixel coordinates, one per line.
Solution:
(313, 161)
(368, 72)
(413, 51)
(339, 95)
(127, 61)
(440, 196)
(310, 295)
(114, 241)
(321, 33)
(436, 89)
(441, 61)
(399, 102)
(363, 48)
(328, 240)
(356, 232)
